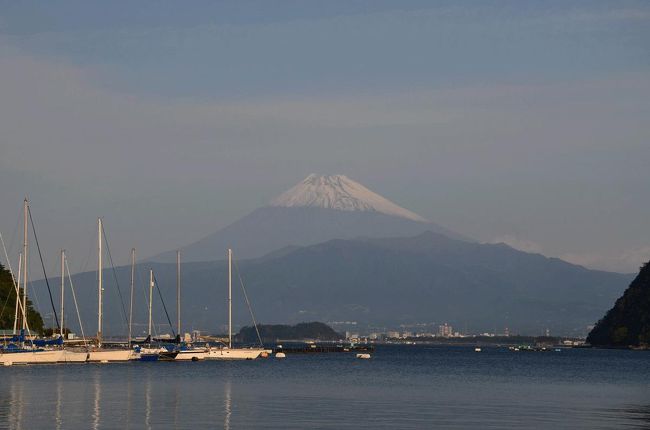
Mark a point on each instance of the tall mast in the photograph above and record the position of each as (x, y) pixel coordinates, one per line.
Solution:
(99, 283)
(178, 292)
(150, 298)
(131, 300)
(62, 288)
(25, 211)
(229, 298)
(20, 271)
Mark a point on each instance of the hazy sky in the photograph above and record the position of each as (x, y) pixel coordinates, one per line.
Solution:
(523, 122)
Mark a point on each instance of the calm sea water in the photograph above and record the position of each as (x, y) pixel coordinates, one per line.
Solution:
(401, 387)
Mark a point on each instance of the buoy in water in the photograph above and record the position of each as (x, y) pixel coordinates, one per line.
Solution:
(280, 355)
(363, 356)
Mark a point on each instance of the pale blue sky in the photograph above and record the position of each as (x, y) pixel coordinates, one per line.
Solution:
(517, 121)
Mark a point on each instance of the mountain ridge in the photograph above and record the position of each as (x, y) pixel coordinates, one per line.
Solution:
(389, 282)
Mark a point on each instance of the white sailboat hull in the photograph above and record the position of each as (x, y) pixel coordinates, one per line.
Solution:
(31, 357)
(109, 355)
(192, 355)
(71, 356)
(235, 353)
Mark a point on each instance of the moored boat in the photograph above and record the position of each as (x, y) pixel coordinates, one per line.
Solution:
(226, 353)
(74, 356)
(99, 354)
(106, 355)
(192, 353)
(20, 352)
(35, 356)
(154, 354)
(229, 352)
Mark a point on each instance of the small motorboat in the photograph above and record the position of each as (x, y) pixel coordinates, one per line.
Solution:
(364, 356)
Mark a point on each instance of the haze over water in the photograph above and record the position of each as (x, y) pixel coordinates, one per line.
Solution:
(400, 387)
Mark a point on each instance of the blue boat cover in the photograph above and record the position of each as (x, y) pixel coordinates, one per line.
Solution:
(43, 342)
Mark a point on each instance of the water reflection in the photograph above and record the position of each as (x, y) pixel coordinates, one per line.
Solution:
(325, 391)
(58, 419)
(16, 405)
(97, 399)
(227, 405)
(21, 406)
(129, 400)
(147, 397)
(116, 396)
(176, 401)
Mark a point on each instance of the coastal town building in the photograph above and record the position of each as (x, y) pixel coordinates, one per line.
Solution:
(445, 330)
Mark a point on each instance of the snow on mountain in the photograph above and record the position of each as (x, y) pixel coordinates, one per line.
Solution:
(341, 193)
(318, 209)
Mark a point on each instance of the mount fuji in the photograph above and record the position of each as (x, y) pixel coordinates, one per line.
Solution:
(318, 209)
(341, 193)
(329, 249)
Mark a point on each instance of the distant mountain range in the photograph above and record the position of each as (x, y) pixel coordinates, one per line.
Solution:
(331, 250)
(318, 209)
(381, 283)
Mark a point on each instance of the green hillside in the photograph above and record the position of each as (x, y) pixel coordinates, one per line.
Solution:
(628, 322)
(8, 305)
(302, 331)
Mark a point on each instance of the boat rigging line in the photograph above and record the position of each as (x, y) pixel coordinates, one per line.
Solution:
(155, 281)
(119, 291)
(11, 272)
(5, 305)
(40, 255)
(19, 303)
(17, 288)
(248, 303)
(88, 255)
(4, 248)
(74, 298)
(144, 294)
(14, 235)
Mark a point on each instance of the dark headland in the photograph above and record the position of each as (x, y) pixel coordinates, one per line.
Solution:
(275, 332)
(8, 297)
(627, 324)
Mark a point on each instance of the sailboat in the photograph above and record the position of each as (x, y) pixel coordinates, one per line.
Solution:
(185, 352)
(228, 352)
(148, 351)
(191, 353)
(30, 355)
(26, 354)
(69, 355)
(101, 354)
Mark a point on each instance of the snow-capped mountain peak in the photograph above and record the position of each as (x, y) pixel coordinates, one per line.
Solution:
(342, 193)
